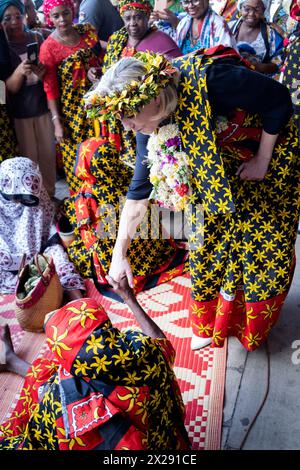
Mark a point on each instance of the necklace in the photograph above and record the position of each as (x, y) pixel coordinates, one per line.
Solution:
(66, 42)
(170, 173)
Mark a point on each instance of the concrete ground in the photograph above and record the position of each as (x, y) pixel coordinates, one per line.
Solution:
(278, 425)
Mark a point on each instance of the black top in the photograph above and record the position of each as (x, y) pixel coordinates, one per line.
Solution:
(5, 65)
(230, 86)
(30, 101)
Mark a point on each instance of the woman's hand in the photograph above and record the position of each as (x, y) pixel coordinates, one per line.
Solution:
(94, 74)
(165, 15)
(25, 68)
(254, 169)
(58, 130)
(119, 269)
(154, 16)
(121, 288)
(39, 70)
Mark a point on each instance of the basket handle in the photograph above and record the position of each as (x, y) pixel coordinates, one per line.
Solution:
(36, 262)
(22, 264)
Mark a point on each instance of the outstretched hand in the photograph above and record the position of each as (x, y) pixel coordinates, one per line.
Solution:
(119, 269)
(121, 288)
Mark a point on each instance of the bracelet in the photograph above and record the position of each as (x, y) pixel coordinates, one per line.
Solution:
(56, 116)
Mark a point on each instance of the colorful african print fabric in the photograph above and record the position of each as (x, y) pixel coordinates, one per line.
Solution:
(225, 8)
(8, 146)
(102, 390)
(94, 211)
(113, 129)
(242, 232)
(291, 74)
(73, 85)
(140, 5)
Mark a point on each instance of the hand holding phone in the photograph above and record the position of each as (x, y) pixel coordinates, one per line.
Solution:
(161, 5)
(33, 53)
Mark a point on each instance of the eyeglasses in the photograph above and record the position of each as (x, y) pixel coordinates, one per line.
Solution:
(256, 10)
(10, 18)
(186, 3)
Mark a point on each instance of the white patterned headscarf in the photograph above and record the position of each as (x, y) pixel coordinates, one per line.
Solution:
(20, 177)
(23, 228)
(266, 4)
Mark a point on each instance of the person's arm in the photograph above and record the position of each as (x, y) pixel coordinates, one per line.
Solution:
(51, 87)
(148, 326)
(268, 68)
(232, 86)
(16, 79)
(165, 15)
(132, 215)
(54, 108)
(133, 212)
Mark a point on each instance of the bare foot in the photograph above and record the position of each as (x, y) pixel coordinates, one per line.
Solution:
(7, 349)
(9, 361)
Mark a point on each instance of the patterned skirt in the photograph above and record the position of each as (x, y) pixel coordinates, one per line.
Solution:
(242, 272)
(291, 76)
(8, 145)
(77, 127)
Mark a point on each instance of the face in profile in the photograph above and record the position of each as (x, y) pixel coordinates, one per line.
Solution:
(145, 121)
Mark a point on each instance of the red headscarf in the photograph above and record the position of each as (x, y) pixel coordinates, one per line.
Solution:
(48, 5)
(295, 10)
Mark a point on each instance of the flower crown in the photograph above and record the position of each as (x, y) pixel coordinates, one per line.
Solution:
(128, 102)
(140, 5)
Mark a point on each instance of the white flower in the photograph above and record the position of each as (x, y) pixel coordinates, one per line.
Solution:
(168, 168)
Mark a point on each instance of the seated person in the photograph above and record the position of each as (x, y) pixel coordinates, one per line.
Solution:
(101, 388)
(259, 42)
(27, 226)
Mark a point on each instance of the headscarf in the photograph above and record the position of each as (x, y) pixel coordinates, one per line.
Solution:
(264, 2)
(295, 10)
(141, 5)
(4, 4)
(20, 177)
(48, 5)
(23, 229)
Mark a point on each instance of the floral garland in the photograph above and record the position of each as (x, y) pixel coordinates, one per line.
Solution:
(169, 170)
(159, 72)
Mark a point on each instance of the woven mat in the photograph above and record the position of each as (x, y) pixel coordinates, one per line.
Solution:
(201, 374)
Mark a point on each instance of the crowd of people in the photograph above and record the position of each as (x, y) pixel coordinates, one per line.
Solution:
(193, 108)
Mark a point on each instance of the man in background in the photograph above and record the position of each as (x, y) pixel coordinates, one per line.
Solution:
(102, 15)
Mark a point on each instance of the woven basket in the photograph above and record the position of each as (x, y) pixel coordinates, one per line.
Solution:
(46, 296)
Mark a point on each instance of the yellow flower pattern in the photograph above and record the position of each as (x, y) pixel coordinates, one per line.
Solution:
(242, 244)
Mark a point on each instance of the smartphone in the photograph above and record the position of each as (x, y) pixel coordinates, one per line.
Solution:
(33, 52)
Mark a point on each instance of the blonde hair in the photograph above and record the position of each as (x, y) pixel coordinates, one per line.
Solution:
(129, 69)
